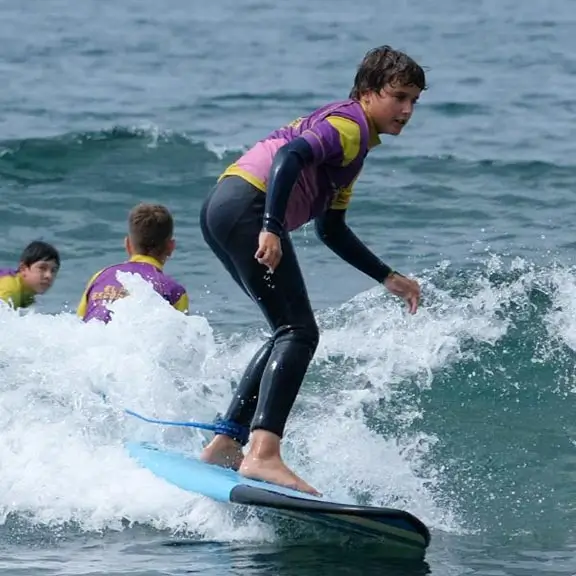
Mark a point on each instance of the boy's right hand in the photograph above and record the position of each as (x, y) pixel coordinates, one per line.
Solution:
(269, 251)
(405, 288)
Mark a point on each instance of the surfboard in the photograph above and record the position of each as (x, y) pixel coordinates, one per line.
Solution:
(401, 532)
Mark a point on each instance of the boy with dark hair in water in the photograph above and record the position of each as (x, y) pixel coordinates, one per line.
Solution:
(36, 273)
(149, 244)
(302, 172)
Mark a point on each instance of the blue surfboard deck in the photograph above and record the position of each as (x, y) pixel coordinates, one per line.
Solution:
(406, 535)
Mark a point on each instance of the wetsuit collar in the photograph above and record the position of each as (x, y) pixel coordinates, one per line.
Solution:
(146, 260)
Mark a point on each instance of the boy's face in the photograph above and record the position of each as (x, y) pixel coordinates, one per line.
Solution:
(39, 276)
(392, 107)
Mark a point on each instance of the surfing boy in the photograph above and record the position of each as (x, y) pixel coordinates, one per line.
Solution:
(149, 244)
(301, 172)
(36, 273)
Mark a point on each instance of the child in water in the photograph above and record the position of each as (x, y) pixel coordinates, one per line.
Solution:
(149, 244)
(36, 273)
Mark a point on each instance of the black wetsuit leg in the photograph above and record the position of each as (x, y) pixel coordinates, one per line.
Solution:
(231, 221)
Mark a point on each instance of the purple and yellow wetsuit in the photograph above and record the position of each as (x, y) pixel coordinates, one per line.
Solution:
(13, 291)
(103, 288)
(339, 135)
(304, 171)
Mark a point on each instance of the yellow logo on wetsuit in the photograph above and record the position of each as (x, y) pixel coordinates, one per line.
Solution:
(109, 293)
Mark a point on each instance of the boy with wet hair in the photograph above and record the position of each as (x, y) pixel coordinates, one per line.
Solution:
(301, 172)
(36, 273)
(149, 244)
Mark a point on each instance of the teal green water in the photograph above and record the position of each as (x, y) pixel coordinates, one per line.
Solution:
(462, 414)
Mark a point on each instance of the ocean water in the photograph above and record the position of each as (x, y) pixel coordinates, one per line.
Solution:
(462, 414)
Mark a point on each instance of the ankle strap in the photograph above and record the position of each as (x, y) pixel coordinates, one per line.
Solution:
(233, 430)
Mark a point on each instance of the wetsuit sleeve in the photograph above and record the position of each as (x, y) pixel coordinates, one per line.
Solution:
(83, 304)
(334, 141)
(332, 229)
(287, 164)
(182, 303)
(10, 290)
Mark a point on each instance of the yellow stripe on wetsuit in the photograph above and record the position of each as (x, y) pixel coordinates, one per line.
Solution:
(350, 136)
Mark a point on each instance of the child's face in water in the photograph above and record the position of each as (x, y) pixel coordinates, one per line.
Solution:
(392, 107)
(39, 276)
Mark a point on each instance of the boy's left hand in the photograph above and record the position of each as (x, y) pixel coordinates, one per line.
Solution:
(405, 288)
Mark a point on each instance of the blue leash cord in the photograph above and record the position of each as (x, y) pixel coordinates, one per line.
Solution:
(226, 427)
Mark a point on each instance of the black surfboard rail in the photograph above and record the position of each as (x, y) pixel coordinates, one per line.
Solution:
(399, 519)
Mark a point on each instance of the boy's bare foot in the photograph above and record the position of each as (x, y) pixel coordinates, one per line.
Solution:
(223, 451)
(273, 470)
(263, 462)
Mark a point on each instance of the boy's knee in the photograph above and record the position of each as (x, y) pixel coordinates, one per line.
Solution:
(305, 333)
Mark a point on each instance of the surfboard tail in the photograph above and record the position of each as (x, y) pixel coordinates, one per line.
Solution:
(397, 526)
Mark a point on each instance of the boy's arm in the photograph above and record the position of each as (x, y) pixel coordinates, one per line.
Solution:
(332, 229)
(83, 304)
(10, 291)
(331, 226)
(182, 303)
(286, 167)
(81, 309)
(334, 141)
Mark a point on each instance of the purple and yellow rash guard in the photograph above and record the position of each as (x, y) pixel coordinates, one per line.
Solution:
(13, 291)
(340, 135)
(103, 288)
